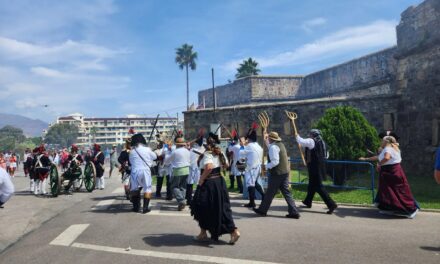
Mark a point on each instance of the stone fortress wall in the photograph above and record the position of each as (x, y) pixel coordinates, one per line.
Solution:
(397, 88)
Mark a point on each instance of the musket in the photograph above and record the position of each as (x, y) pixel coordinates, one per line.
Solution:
(152, 131)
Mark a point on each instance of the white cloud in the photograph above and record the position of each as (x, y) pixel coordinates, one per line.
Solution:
(312, 23)
(378, 34)
(69, 52)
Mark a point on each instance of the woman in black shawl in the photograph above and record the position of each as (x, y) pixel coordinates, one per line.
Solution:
(211, 206)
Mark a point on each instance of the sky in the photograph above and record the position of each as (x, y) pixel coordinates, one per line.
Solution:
(109, 58)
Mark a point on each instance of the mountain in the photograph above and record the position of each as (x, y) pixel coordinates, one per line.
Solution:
(30, 127)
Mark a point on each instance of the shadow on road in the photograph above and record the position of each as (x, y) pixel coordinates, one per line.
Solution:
(178, 240)
(431, 248)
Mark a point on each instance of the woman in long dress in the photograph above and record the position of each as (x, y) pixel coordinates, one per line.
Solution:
(211, 206)
(394, 194)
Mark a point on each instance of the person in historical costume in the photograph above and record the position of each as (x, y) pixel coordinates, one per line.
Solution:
(7, 157)
(41, 165)
(180, 161)
(279, 171)
(113, 160)
(211, 205)
(236, 173)
(141, 159)
(254, 154)
(6, 187)
(12, 164)
(2, 161)
(315, 155)
(73, 171)
(394, 194)
(98, 161)
(125, 168)
(194, 172)
(164, 169)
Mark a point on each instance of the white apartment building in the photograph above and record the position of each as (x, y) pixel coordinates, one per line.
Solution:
(114, 130)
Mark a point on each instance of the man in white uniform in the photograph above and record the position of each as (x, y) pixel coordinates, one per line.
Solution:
(141, 159)
(254, 155)
(235, 172)
(180, 160)
(6, 187)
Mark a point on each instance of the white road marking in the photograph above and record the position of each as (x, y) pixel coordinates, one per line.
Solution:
(166, 255)
(104, 204)
(69, 235)
(119, 190)
(161, 213)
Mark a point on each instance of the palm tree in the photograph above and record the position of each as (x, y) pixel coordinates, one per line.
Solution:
(247, 68)
(185, 57)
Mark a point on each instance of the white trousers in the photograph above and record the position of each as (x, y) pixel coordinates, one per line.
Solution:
(100, 182)
(251, 176)
(194, 175)
(141, 179)
(6, 187)
(164, 171)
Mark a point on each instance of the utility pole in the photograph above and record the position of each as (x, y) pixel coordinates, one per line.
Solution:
(214, 99)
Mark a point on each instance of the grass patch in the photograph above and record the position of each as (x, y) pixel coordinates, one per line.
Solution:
(424, 189)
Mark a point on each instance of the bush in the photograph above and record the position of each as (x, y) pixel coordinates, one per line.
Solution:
(348, 135)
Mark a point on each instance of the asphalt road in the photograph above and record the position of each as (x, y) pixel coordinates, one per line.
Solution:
(99, 227)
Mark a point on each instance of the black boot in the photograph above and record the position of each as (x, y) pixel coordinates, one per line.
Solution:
(136, 200)
(239, 184)
(231, 180)
(169, 193)
(188, 195)
(251, 203)
(260, 190)
(145, 208)
(159, 187)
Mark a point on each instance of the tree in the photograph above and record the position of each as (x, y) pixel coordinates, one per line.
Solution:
(10, 137)
(10, 131)
(93, 132)
(247, 68)
(348, 135)
(63, 134)
(186, 58)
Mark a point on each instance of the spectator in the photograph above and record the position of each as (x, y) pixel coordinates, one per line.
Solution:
(2, 161)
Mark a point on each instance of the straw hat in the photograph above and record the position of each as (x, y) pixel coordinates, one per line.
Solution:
(180, 141)
(274, 136)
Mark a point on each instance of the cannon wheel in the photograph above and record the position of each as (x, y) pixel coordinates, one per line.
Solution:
(54, 180)
(80, 181)
(90, 176)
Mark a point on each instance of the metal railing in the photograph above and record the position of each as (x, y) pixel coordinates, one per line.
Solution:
(346, 163)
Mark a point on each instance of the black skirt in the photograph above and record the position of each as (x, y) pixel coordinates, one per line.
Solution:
(212, 209)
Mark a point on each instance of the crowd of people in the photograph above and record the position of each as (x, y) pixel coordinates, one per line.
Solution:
(202, 162)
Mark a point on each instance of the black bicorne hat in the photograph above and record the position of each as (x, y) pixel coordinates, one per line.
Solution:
(138, 139)
(213, 138)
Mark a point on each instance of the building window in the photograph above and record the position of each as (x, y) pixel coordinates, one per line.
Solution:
(388, 121)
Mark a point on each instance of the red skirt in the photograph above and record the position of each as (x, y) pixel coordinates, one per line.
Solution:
(394, 193)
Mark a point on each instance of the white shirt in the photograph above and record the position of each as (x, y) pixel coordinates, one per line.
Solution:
(194, 156)
(208, 158)
(6, 186)
(395, 156)
(166, 152)
(274, 155)
(306, 142)
(179, 158)
(235, 149)
(136, 161)
(254, 154)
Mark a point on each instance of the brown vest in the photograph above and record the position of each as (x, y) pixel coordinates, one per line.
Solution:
(283, 166)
